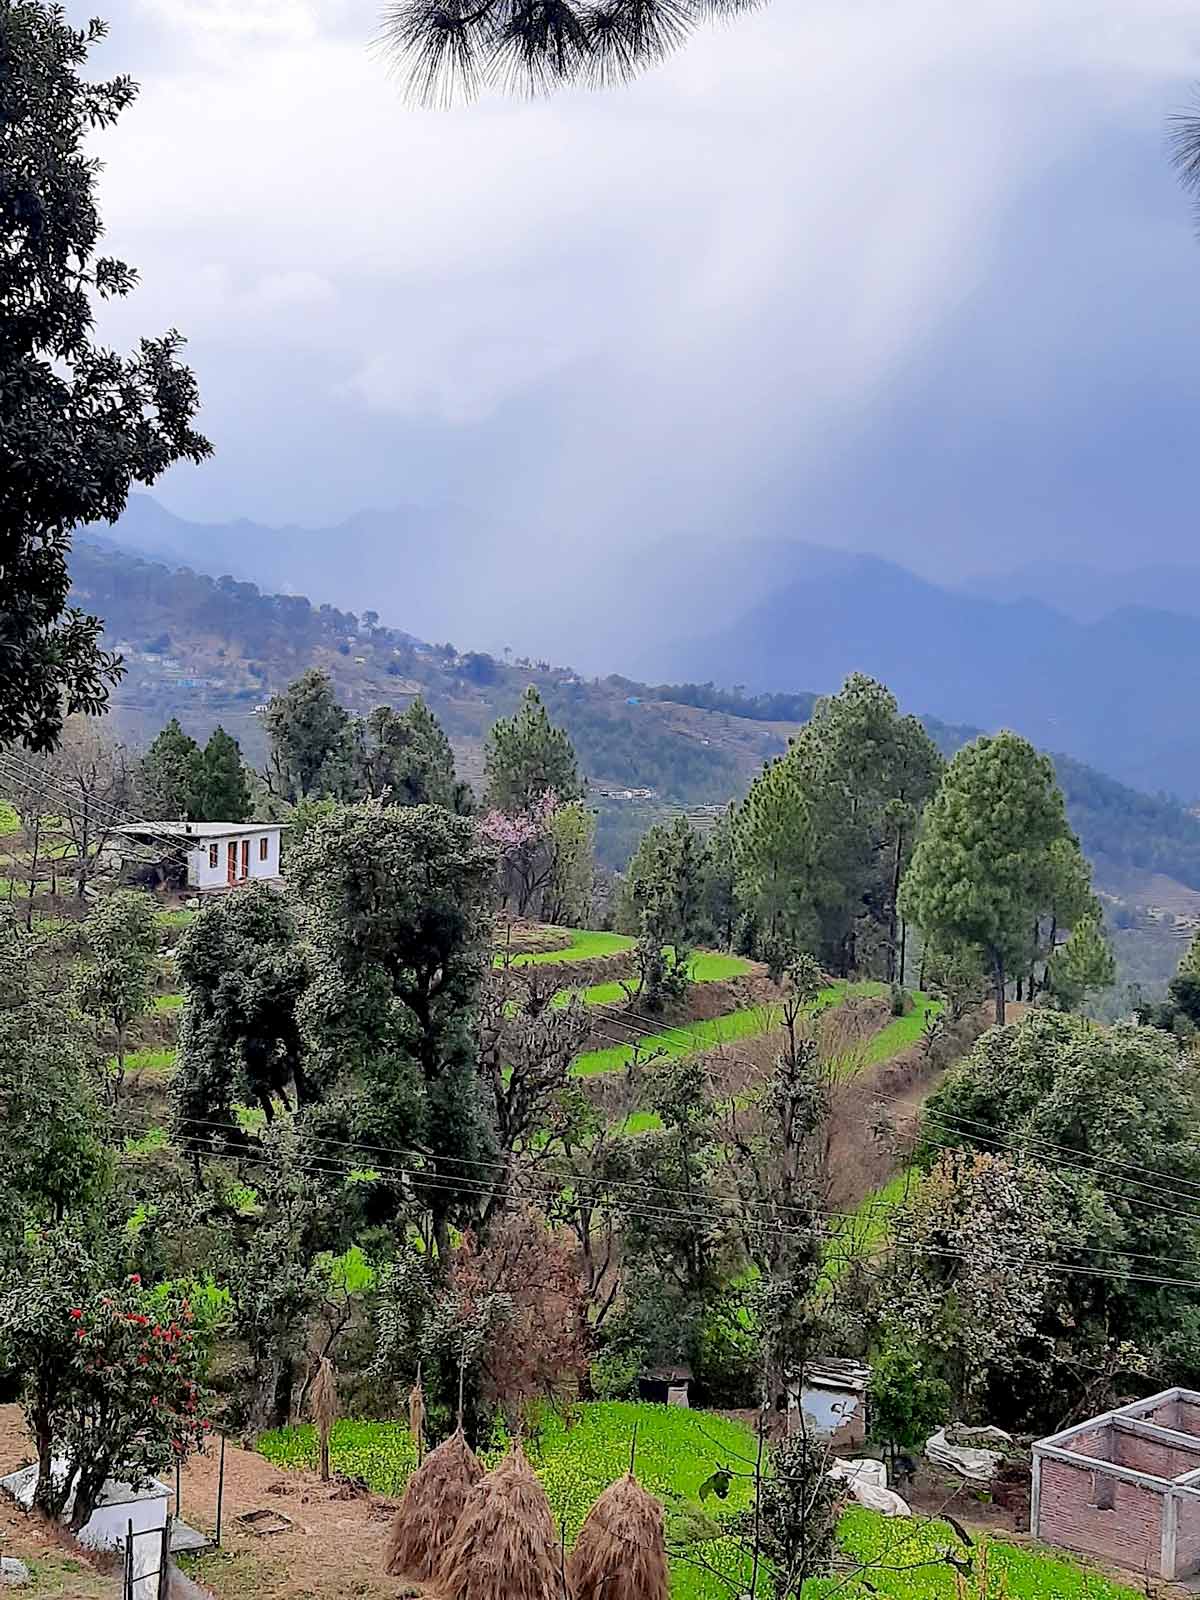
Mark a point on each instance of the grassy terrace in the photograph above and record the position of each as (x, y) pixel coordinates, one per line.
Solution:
(706, 966)
(693, 1036)
(584, 946)
(865, 1232)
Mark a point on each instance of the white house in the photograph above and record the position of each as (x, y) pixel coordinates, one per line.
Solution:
(220, 855)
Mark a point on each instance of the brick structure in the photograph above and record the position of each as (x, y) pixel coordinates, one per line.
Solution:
(1125, 1486)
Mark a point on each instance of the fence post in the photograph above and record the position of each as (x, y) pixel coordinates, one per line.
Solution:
(164, 1560)
(178, 1491)
(220, 1491)
(128, 1585)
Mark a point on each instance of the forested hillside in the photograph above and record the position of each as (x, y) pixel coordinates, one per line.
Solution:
(209, 650)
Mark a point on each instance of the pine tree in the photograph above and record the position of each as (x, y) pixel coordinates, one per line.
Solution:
(526, 757)
(1081, 966)
(983, 868)
(308, 731)
(170, 777)
(225, 792)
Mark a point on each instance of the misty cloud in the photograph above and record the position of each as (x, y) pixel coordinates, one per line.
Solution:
(899, 278)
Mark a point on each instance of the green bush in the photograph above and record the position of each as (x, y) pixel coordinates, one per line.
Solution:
(614, 1375)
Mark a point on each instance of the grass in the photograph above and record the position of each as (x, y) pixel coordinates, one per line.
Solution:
(706, 966)
(9, 820)
(863, 1233)
(585, 945)
(175, 919)
(161, 1060)
(677, 1449)
(693, 1036)
(903, 1031)
(153, 1139)
(167, 1002)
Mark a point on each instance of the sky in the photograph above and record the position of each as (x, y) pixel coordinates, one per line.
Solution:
(910, 277)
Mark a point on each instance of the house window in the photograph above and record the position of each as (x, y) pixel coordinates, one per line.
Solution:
(1104, 1491)
(212, 856)
(262, 848)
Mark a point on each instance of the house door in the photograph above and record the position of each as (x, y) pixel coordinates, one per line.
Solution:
(245, 858)
(231, 865)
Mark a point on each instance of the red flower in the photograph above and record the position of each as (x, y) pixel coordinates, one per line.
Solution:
(80, 1333)
(135, 1277)
(76, 1312)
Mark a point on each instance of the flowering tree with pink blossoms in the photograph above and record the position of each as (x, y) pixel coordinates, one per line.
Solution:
(524, 840)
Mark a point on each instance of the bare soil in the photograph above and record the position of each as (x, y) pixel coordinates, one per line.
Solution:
(333, 1547)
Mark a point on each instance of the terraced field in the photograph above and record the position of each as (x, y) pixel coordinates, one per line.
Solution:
(690, 1037)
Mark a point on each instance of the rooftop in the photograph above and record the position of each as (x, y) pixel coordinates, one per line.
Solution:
(194, 830)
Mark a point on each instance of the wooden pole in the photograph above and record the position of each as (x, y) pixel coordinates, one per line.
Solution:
(220, 1491)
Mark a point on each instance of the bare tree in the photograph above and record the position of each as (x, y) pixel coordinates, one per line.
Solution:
(29, 784)
(93, 784)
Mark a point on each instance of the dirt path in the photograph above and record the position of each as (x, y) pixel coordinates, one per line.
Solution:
(333, 1546)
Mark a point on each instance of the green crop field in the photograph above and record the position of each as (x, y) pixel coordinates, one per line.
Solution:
(693, 1036)
(903, 1031)
(584, 946)
(707, 966)
(167, 1002)
(9, 821)
(677, 1449)
(864, 1232)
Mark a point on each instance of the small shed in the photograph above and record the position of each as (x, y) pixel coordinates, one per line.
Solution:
(219, 855)
(665, 1386)
(832, 1400)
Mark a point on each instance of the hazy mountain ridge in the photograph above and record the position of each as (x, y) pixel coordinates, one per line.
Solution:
(219, 648)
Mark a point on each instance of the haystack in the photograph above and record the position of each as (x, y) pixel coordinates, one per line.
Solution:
(621, 1551)
(505, 1546)
(430, 1508)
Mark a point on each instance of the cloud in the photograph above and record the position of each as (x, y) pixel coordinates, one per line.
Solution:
(714, 298)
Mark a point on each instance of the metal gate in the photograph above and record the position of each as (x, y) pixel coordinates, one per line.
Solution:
(147, 1562)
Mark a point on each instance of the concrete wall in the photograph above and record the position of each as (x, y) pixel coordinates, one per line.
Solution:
(1130, 1533)
(1187, 1547)
(202, 874)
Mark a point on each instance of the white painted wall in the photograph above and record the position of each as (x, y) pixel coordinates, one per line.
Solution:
(203, 875)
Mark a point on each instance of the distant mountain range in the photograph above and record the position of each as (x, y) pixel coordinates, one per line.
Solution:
(1099, 666)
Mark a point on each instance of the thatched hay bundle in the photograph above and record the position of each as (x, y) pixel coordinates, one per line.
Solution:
(429, 1510)
(505, 1546)
(621, 1551)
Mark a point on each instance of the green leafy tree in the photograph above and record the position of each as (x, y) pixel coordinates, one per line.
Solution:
(571, 838)
(1097, 1110)
(399, 913)
(526, 757)
(407, 760)
(269, 1263)
(982, 870)
(908, 1401)
(116, 982)
(309, 733)
(78, 424)
(243, 972)
(721, 911)
(56, 1161)
(970, 1280)
(662, 902)
(1179, 1013)
(224, 786)
(1082, 966)
(827, 831)
(170, 777)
